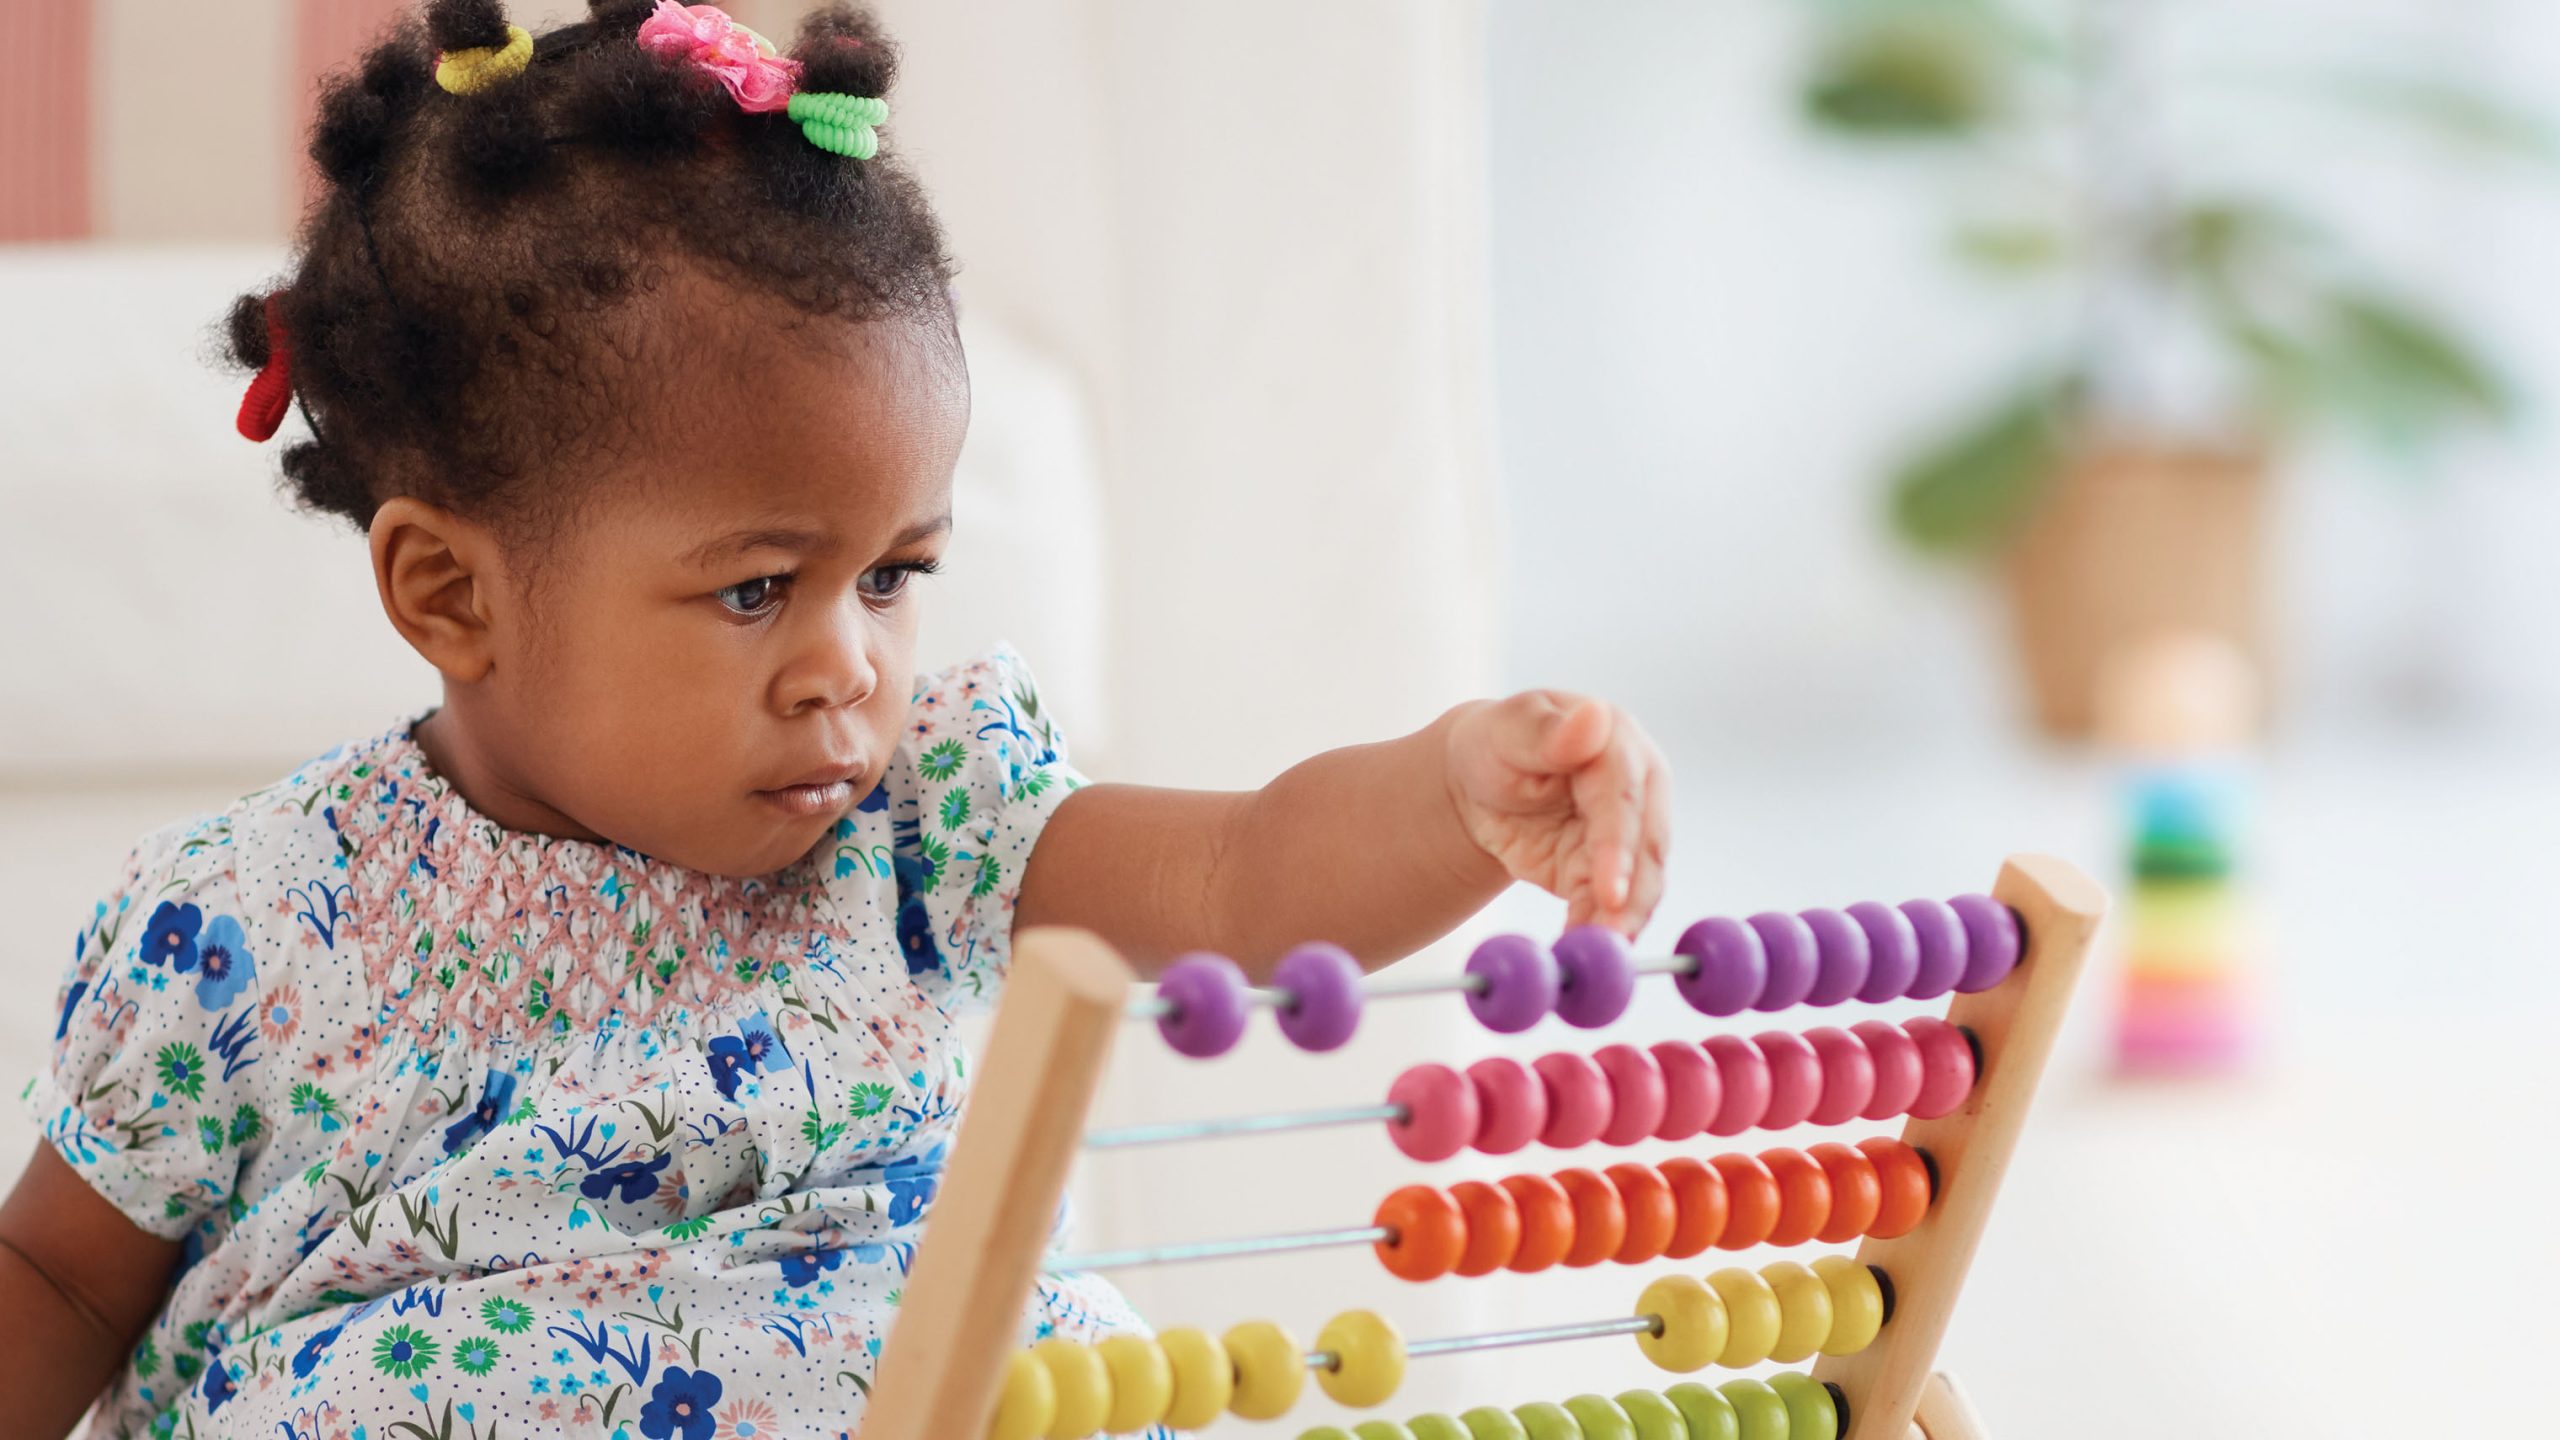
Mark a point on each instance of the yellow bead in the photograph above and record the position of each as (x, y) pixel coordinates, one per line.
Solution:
(1141, 1382)
(1203, 1378)
(1368, 1359)
(1762, 1413)
(1084, 1387)
(1693, 1324)
(1027, 1402)
(1751, 1315)
(1271, 1371)
(1804, 1311)
(1811, 1413)
(1857, 1304)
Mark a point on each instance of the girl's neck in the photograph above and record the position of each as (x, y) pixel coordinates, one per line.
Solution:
(461, 753)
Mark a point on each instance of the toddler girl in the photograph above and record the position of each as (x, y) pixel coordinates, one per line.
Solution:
(578, 1058)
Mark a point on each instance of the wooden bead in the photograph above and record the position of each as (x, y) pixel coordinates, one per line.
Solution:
(1488, 1423)
(1141, 1382)
(1708, 1414)
(1204, 1379)
(1383, 1430)
(1752, 1317)
(1762, 1413)
(1368, 1359)
(1651, 1416)
(1026, 1402)
(1804, 1196)
(1693, 1326)
(1857, 1304)
(1432, 1425)
(1653, 1213)
(1493, 1226)
(1084, 1387)
(1271, 1370)
(1546, 1222)
(1804, 1310)
(1430, 1233)
(1697, 1191)
(1599, 1218)
(1856, 1194)
(1811, 1412)
(1600, 1418)
(1752, 1201)
(1903, 1177)
(1545, 1420)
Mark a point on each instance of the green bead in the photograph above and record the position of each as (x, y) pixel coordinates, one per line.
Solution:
(1764, 1415)
(1600, 1418)
(1709, 1415)
(1811, 1413)
(1653, 1417)
(1541, 1420)
(1436, 1426)
(1325, 1432)
(1485, 1422)
(1381, 1430)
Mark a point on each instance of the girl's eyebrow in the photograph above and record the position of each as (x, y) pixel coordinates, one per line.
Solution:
(785, 537)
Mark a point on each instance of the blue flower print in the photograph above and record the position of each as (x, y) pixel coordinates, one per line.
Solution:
(912, 1182)
(170, 936)
(307, 1359)
(70, 1005)
(764, 1048)
(681, 1405)
(223, 953)
(217, 1386)
(728, 1059)
(804, 1267)
(497, 1096)
(636, 1179)
(915, 924)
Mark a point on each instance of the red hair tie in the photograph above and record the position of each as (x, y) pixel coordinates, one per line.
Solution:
(271, 389)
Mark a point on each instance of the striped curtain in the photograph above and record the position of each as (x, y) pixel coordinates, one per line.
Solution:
(45, 126)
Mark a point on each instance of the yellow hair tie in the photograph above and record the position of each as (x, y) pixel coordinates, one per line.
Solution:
(468, 72)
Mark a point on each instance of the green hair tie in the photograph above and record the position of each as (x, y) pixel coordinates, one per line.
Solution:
(844, 124)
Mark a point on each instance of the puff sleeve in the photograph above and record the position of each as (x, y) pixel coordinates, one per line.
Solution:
(980, 770)
(153, 1091)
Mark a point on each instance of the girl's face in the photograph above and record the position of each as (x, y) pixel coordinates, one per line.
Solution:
(710, 661)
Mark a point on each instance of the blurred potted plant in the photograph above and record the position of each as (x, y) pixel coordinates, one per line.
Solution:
(2119, 483)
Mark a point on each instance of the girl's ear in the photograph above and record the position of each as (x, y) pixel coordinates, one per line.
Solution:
(438, 575)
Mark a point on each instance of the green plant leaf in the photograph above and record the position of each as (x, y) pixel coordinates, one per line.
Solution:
(2459, 114)
(2420, 357)
(2014, 248)
(1968, 493)
(1914, 75)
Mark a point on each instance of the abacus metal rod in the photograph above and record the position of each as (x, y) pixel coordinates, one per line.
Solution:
(1221, 1249)
(1509, 1339)
(1176, 1131)
(1151, 1007)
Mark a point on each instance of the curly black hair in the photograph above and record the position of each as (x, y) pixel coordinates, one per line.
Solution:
(459, 300)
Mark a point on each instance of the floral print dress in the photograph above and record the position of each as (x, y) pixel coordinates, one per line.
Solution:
(475, 1135)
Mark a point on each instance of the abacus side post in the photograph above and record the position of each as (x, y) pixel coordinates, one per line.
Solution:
(2015, 1023)
(1945, 1413)
(974, 1268)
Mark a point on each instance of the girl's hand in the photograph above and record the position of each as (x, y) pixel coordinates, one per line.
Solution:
(1568, 794)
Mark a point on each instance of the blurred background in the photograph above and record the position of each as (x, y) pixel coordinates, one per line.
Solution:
(2122, 428)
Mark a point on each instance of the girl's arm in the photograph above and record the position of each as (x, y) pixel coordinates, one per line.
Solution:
(78, 1285)
(1380, 848)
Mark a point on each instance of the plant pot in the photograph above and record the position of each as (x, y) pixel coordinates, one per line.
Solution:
(2135, 540)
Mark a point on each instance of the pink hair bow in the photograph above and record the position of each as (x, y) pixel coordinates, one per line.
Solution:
(761, 78)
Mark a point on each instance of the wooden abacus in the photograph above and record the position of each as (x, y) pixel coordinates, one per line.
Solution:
(953, 1369)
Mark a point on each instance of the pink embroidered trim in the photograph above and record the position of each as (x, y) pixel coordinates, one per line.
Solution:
(468, 927)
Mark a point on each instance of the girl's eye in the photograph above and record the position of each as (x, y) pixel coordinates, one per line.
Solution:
(886, 581)
(753, 597)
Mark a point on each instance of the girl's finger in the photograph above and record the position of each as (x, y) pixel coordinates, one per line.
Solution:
(1653, 851)
(1608, 799)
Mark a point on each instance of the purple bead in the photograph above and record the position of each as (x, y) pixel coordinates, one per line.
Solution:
(1840, 956)
(1599, 976)
(1520, 984)
(1207, 993)
(1993, 938)
(1789, 944)
(1322, 986)
(1942, 948)
(1893, 951)
(1732, 967)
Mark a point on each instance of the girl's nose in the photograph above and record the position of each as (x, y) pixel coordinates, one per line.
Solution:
(833, 670)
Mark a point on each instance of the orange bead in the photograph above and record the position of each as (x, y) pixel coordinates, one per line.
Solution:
(1698, 1192)
(1857, 1196)
(1804, 1196)
(1652, 1214)
(1599, 1217)
(1751, 1197)
(1431, 1233)
(1546, 1222)
(1903, 1178)
(1493, 1226)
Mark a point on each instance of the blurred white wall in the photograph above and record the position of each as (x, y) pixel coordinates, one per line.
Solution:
(1715, 329)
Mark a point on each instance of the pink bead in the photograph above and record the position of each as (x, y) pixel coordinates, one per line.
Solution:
(1946, 1067)
(1638, 1093)
(1795, 1078)
(1511, 1104)
(1442, 1113)
(1577, 1099)
(1896, 1058)
(1848, 1075)
(1692, 1090)
(1744, 1073)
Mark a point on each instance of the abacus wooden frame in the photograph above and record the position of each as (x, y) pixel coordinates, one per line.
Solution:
(1063, 1007)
